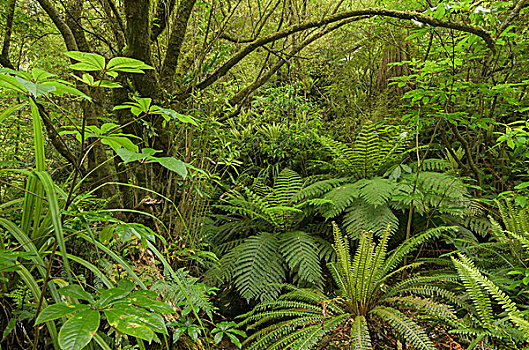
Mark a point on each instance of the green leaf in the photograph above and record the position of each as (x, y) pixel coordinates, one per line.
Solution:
(10, 110)
(126, 284)
(234, 340)
(11, 83)
(125, 64)
(142, 298)
(106, 234)
(35, 89)
(129, 324)
(89, 61)
(193, 332)
(76, 291)
(175, 115)
(9, 328)
(107, 84)
(134, 314)
(61, 89)
(173, 164)
(59, 310)
(108, 296)
(218, 337)
(130, 156)
(40, 75)
(78, 331)
(177, 334)
(117, 142)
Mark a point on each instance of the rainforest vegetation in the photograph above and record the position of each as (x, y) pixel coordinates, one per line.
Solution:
(264, 174)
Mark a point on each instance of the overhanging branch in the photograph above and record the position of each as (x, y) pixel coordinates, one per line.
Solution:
(365, 13)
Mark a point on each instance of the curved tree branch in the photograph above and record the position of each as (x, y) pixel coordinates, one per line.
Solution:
(246, 91)
(61, 25)
(365, 13)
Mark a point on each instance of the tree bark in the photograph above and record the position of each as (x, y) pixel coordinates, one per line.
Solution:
(139, 44)
(174, 46)
(4, 56)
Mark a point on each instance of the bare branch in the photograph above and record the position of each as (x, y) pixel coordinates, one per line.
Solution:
(246, 91)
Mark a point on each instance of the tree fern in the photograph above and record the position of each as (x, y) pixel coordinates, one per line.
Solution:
(268, 221)
(375, 146)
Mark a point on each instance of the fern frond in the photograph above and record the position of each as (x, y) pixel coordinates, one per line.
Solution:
(258, 264)
(407, 328)
(428, 306)
(402, 250)
(342, 154)
(470, 273)
(434, 164)
(301, 254)
(360, 338)
(362, 265)
(286, 185)
(341, 197)
(376, 191)
(362, 216)
(319, 188)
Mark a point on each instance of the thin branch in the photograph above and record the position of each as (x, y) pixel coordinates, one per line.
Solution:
(519, 6)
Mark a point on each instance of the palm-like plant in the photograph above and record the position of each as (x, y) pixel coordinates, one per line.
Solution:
(309, 319)
(263, 239)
